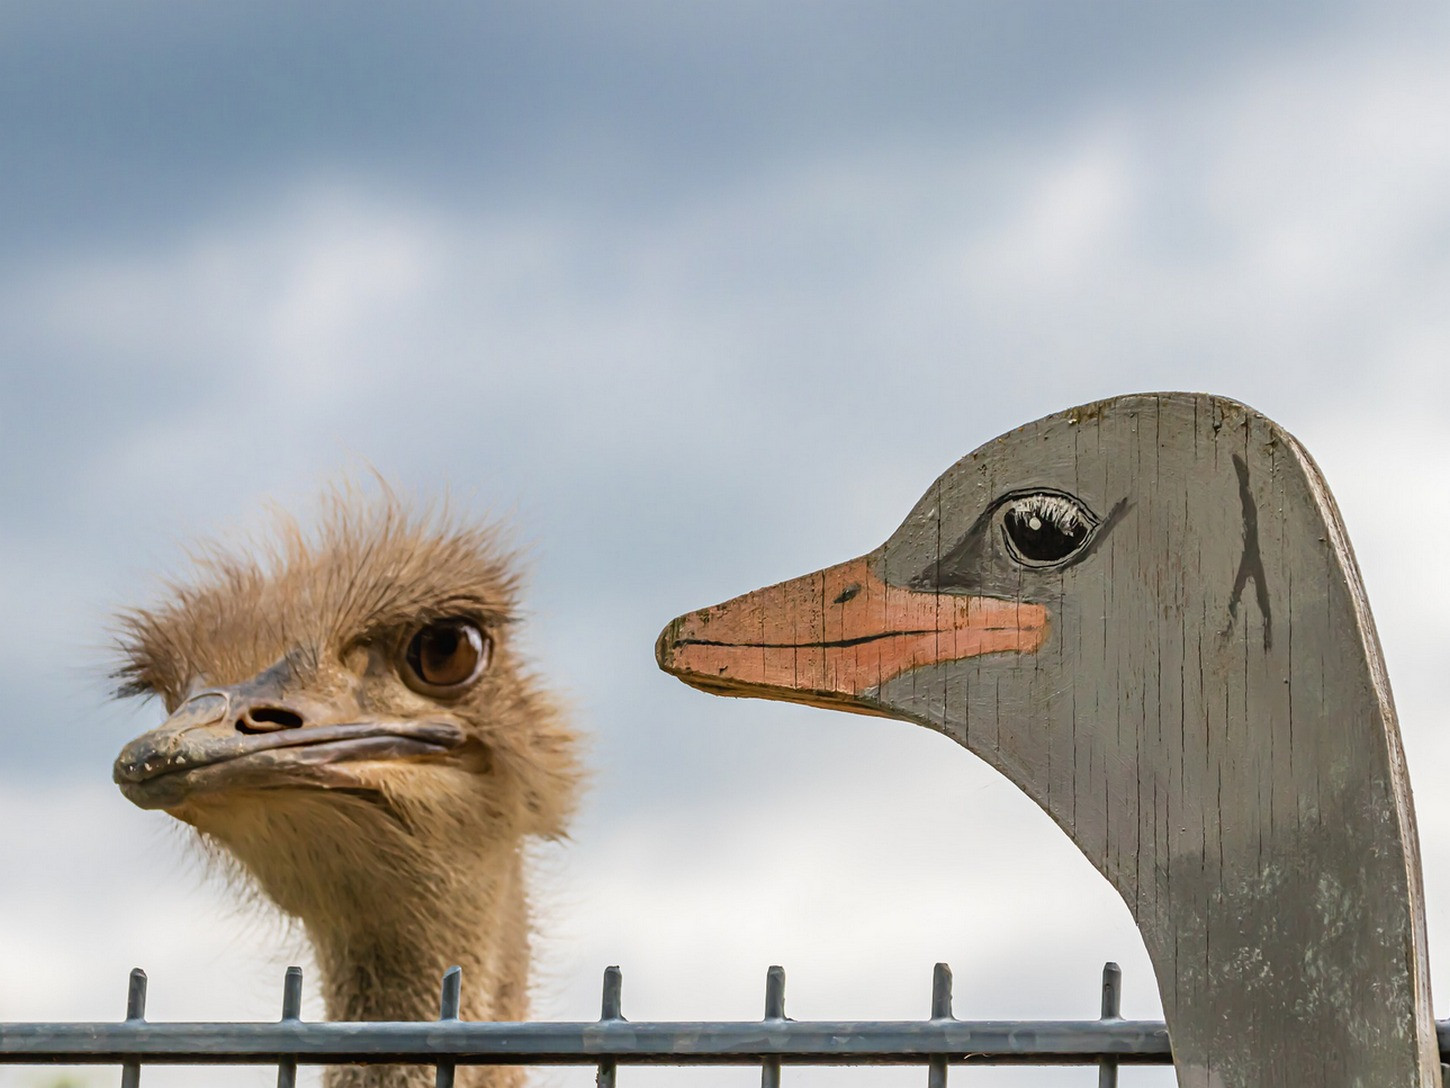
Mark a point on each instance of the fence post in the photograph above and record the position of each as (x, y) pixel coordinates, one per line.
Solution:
(291, 1013)
(611, 1007)
(941, 1009)
(1111, 1010)
(448, 1010)
(135, 1013)
(774, 1011)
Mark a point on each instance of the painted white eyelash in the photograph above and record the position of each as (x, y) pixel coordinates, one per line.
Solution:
(1055, 509)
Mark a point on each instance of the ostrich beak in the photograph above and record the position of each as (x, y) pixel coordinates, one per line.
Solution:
(216, 740)
(833, 637)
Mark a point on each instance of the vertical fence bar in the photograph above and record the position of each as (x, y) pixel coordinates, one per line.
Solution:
(611, 1007)
(135, 1013)
(291, 1013)
(448, 1005)
(774, 1010)
(1111, 1010)
(941, 1009)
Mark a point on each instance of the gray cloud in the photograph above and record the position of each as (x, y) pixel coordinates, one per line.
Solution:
(134, 120)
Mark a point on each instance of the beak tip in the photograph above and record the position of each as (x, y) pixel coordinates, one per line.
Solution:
(666, 645)
(129, 765)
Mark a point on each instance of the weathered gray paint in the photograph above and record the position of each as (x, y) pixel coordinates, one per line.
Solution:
(1208, 718)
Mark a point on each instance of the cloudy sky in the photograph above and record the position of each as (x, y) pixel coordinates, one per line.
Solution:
(699, 297)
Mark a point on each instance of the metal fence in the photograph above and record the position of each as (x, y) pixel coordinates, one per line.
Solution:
(771, 1043)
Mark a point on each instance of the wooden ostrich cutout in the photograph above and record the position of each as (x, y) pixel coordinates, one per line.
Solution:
(352, 728)
(1145, 613)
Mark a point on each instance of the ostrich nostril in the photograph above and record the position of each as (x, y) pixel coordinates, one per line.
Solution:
(268, 719)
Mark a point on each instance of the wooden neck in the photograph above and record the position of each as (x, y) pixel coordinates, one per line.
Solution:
(1286, 956)
(1263, 836)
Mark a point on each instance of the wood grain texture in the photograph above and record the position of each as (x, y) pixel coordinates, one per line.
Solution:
(1146, 613)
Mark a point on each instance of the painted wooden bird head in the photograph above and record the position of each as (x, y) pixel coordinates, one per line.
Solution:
(1146, 614)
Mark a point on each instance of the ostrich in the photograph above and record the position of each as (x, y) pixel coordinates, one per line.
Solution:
(353, 735)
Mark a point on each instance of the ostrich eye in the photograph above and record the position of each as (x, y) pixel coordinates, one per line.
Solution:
(445, 656)
(1046, 527)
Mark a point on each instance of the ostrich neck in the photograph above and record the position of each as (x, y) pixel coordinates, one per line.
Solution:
(386, 961)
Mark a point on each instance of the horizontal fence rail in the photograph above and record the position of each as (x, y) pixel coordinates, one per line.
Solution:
(776, 1041)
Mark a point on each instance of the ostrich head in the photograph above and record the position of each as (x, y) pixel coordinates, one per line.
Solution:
(351, 725)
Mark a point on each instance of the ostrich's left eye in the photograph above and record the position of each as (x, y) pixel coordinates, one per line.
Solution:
(445, 656)
(1046, 527)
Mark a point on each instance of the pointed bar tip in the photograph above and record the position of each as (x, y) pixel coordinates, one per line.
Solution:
(775, 993)
(941, 992)
(612, 1002)
(136, 995)
(292, 994)
(450, 1000)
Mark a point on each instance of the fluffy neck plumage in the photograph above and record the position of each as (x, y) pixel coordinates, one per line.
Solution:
(388, 910)
(393, 971)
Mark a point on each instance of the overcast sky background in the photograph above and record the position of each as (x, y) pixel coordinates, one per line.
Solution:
(701, 297)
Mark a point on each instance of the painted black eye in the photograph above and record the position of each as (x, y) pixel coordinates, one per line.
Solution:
(445, 656)
(1046, 527)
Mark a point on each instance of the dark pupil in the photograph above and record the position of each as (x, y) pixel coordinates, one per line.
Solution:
(1046, 541)
(442, 654)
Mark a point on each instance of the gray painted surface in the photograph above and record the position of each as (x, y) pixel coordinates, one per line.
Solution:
(1208, 718)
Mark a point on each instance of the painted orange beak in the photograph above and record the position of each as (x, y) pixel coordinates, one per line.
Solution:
(830, 637)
